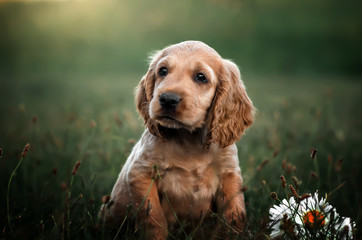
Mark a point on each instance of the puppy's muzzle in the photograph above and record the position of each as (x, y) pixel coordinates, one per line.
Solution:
(169, 101)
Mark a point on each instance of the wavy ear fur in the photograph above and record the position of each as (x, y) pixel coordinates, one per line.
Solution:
(144, 94)
(232, 111)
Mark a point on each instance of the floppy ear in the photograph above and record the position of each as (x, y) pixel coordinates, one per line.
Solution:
(232, 111)
(144, 95)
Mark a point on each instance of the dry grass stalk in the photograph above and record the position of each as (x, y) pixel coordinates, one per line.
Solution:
(23, 154)
(294, 192)
(284, 182)
(75, 169)
(275, 153)
(313, 154)
(262, 165)
(304, 196)
(330, 159)
(296, 182)
(339, 165)
(244, 189)
(314, 174)
(284, 164)
(25, 150)
(274, 195)
(93, 124)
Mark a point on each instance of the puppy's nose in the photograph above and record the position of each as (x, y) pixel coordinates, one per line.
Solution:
(169, 100)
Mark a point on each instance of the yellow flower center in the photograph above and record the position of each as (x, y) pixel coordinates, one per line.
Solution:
(314, 219)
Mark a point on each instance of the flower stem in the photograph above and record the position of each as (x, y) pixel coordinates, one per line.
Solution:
(8, 193)
(69, 193)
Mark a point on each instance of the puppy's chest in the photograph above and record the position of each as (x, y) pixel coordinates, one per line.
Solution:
(196, 183)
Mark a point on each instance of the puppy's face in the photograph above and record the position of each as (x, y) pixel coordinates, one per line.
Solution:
(188, 85)
(184, 87)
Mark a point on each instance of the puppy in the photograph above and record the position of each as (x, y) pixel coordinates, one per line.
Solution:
(185, 167)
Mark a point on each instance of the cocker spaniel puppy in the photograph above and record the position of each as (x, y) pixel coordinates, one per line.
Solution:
(185, 167)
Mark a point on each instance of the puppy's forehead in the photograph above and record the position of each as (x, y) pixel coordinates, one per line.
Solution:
(191, 54)
(191, 48)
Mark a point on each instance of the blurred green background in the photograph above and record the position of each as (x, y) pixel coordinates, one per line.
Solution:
(104, 37)
(68, 70)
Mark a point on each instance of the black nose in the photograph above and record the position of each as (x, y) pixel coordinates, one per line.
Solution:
(169, 100)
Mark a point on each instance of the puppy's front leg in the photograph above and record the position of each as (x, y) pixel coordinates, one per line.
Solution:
(147, 206)
(231, 200)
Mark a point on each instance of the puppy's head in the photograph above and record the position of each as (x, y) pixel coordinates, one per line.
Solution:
(189, 86)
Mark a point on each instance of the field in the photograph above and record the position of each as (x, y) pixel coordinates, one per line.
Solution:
(68, 72)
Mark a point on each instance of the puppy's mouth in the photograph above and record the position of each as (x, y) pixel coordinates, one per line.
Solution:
(166, 117)
(169, 122)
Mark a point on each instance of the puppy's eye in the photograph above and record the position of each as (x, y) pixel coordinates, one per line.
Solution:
(163, 72)
(201, 78)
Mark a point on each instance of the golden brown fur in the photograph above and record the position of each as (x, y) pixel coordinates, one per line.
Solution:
(185, 166)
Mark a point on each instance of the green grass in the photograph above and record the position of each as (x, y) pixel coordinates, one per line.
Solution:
(96, 123)
(68, 70)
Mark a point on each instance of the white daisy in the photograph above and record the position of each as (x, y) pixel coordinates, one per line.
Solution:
(310, 218)
(344, 228)
(321, 219)
(281, 217)
(314, 215)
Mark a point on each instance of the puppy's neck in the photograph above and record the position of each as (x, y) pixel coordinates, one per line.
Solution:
(184, 137)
